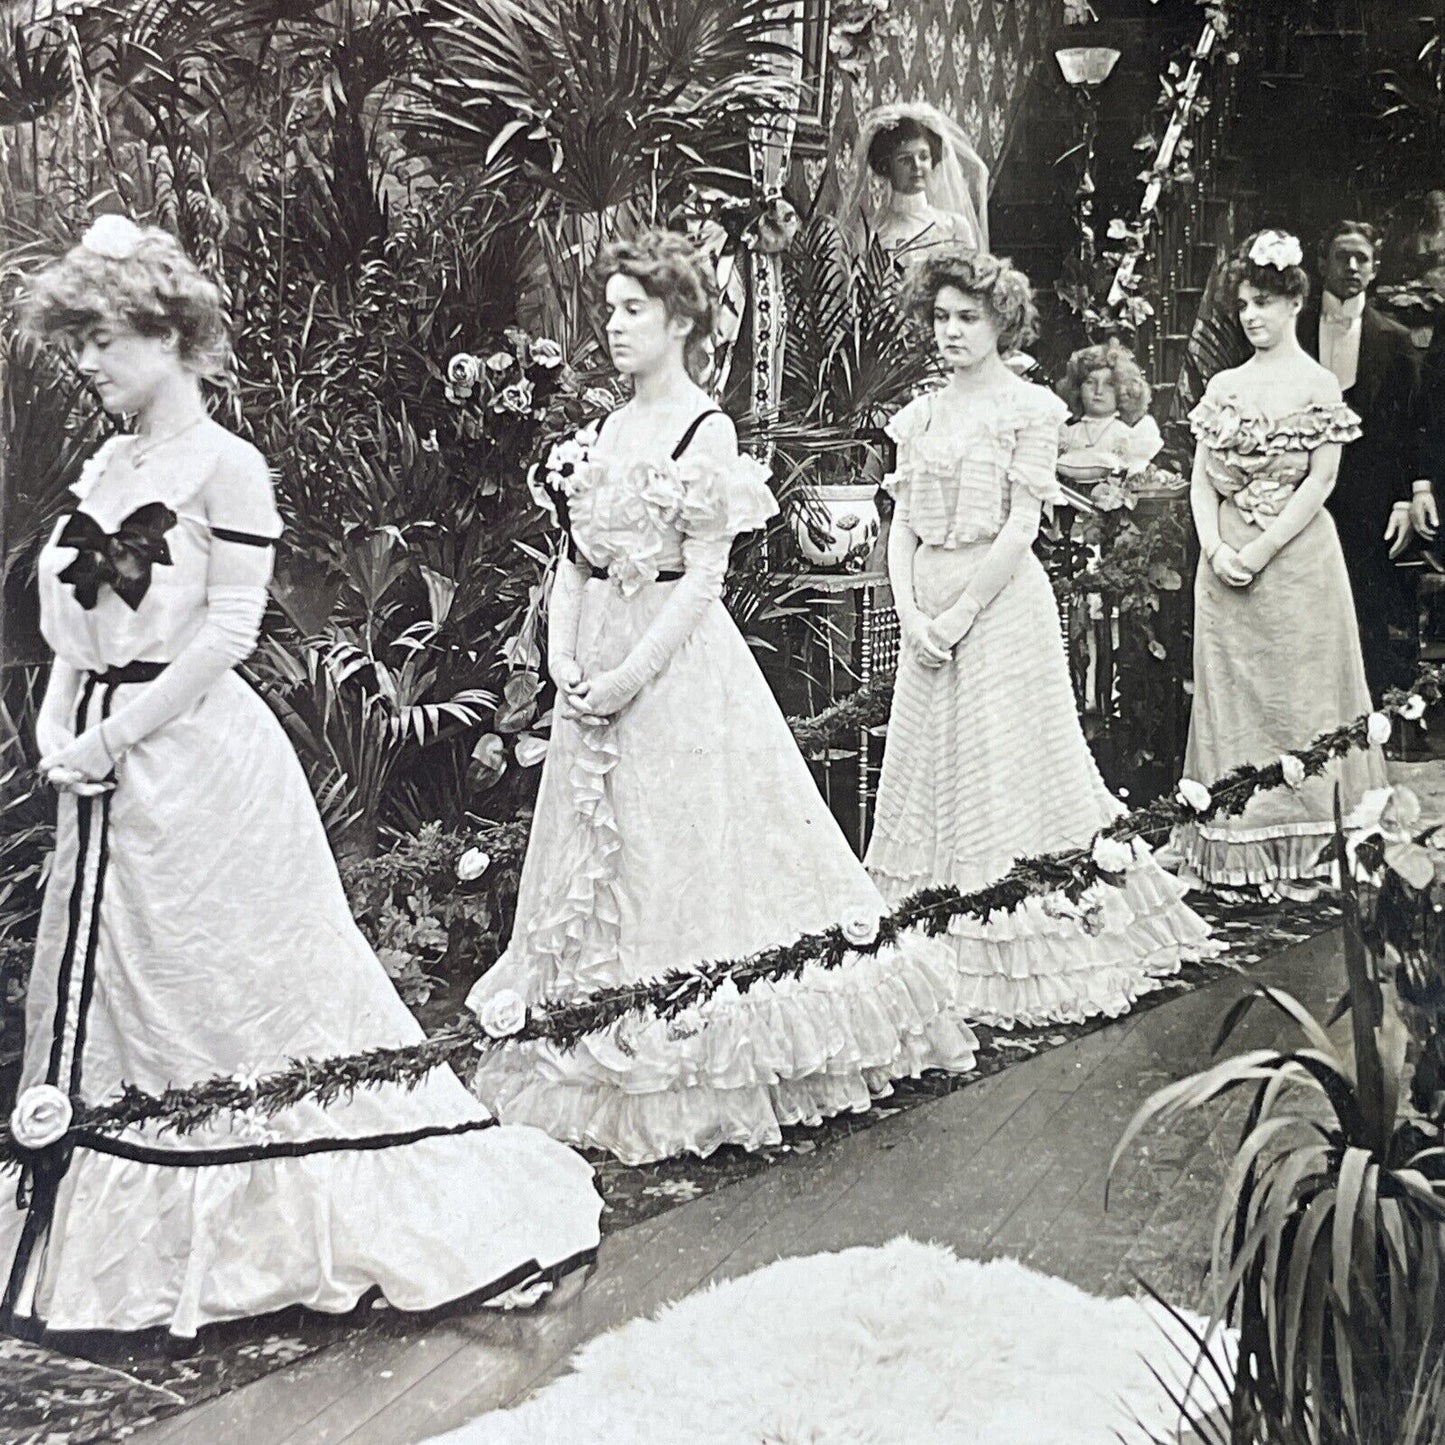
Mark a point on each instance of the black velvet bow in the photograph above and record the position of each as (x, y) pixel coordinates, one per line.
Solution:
(123, 558)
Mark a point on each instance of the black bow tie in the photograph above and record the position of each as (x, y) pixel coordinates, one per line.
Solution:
(123, 558)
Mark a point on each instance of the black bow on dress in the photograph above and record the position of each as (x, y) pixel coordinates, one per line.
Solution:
(122, 558)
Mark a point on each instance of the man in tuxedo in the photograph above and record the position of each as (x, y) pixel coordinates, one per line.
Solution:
(1381, 474)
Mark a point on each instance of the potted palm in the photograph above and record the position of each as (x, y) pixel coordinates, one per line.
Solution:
(1329, 1251)
(852, 360)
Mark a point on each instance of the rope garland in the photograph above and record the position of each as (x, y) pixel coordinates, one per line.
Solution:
(1070, 872)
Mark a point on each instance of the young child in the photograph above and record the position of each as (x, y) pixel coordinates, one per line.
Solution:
(1106, 391)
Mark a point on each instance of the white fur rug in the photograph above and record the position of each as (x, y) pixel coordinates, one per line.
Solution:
(875, 1346)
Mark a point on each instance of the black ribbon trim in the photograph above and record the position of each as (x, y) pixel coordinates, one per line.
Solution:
(48, 1167)
(244, 539)
(83, 808)
(284, 1149)
(92, 942)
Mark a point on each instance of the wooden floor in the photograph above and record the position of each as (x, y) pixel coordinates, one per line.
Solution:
(1011, 1166)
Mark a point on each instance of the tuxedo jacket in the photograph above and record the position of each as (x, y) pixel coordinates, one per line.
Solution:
(1377, 470)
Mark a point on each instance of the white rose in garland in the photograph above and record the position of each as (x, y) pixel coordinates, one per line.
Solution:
(1293, 770)
(1194, 795)
(860, 929)
(503, 1014)
(1377, 729)
(1413, 708)
(41, 1116)
(1112, 855)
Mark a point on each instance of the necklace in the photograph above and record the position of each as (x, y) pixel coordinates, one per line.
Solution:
(1094, 437)
(139, 452)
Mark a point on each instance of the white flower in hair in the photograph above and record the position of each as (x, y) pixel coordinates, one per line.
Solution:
(1276, 248)
(114, 237)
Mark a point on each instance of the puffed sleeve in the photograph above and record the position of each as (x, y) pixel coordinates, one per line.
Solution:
(723, 497)
(1034, 464)
(240, 499)
(903, 427)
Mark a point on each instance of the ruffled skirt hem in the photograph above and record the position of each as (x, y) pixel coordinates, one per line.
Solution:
(1051, 962)
(1239, 862)
(743, 1065)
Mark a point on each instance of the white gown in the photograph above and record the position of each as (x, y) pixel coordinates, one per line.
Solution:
(690, 829)
(193, 925)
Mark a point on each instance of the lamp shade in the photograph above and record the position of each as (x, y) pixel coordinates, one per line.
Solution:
(1087, 64)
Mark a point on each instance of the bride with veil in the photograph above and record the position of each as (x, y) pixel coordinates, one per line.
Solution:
(937, 183)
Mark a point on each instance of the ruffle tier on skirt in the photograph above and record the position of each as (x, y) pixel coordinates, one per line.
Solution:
(690, 829)
(194, 925)
(986, 763)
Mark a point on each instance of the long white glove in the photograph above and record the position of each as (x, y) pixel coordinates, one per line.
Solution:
(55, 722)
(1001, 561)
(563, 606)
(705, 564)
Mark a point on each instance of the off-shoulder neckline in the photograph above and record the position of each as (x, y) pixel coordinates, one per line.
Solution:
(1312, 408)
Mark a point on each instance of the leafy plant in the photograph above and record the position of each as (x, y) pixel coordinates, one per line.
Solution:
(1330, 1231)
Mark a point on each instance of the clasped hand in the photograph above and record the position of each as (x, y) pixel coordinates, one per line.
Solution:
(1231, 567)
(80, 765)
(590, 700)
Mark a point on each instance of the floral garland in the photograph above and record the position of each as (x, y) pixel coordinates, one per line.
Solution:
(44, 1117)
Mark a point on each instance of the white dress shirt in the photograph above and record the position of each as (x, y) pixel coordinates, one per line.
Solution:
(1340, 336)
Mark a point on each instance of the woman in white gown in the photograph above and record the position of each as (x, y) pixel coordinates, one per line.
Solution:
(677, 821)
(194, 923)
(986, 761)
(937, 183)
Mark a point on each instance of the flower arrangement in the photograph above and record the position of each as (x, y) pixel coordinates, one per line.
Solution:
(855, 28)
(516, 379)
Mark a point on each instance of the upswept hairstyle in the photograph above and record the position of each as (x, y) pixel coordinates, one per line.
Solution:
(884, 145)
(1291, 281)
(155, 289)
(671, 268)
(994, 280)
(1129, 384)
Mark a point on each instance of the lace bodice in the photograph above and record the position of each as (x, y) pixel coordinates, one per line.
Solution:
(112, 633)
(958, 462)
(1258, 461)
(631, 516)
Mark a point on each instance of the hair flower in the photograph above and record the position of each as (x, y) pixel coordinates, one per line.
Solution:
(1276, 248)
(115, 237)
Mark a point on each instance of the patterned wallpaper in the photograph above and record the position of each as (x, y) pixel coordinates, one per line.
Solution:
(970, 58)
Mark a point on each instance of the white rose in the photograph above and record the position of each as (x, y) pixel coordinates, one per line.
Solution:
(1293, 770)
(1413, 708)
(472, 864)
(1194, 795)
(500, 361)
(1377, 729)
(1112, 855)
(41, 1116)
(1277, 249)
(114, 237)
(464, 370)
(546, 352)
(503, 1014)
(517, 397)
(860, 929)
